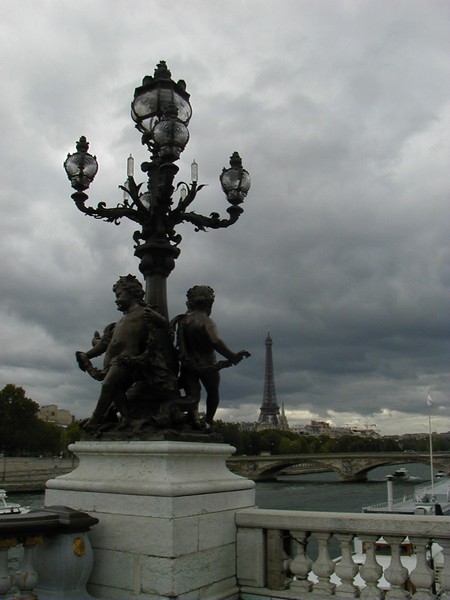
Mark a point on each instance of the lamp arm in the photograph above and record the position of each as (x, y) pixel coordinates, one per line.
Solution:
(189, 198)
(111, 215)
(133, 190)
(213, 221)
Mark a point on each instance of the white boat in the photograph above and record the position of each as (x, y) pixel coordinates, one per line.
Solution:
(402, 474)
(10, 508)
(427, 499)
(431, 498)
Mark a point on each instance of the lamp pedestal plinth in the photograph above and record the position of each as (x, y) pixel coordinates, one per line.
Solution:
(166, 517)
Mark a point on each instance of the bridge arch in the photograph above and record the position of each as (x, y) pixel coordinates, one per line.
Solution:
(349, 467)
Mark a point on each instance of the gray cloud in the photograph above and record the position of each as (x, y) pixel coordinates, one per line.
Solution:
(340, 111)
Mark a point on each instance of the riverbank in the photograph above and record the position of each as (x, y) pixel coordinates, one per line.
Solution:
(29, 474)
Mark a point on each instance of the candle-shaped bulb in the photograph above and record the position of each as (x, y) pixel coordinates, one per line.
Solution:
(126, 195)
(183, 192)
(194, 172)
(130, 166)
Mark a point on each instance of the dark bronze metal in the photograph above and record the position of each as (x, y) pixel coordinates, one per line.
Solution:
(145, 367)
(160, 106)
(161, 111)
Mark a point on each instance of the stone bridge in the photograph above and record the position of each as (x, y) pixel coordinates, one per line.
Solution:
(349, 466)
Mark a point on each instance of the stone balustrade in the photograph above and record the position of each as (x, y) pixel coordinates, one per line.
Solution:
(280, 554)
(293, 554)
(45, 554)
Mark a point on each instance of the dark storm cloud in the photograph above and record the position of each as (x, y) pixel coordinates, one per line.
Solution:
(340, 112)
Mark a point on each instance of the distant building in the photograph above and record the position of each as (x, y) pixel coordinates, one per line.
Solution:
(324, 428)
(367, 431)
(314, 428)
(269, 416)
(52, 414)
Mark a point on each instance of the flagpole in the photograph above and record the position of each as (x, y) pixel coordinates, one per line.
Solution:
(430, 404)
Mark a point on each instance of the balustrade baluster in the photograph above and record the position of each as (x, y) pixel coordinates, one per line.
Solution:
(379, 536)
(371, 570)
(323, 567)
(301, 563)
(444, 572)
(6, 579)
(27, 577)
(422, 577)
(346, 569)
(396, 574)
(276, 571)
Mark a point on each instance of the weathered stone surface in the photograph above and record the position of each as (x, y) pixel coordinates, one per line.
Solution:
(151, 469)
(166, 515)
(190, 572)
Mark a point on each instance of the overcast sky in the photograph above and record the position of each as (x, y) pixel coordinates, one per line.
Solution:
(340, 110)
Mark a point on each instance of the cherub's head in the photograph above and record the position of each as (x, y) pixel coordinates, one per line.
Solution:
(132, 286)
(200, 297)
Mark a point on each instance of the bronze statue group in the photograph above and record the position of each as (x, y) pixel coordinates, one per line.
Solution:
(153, 369)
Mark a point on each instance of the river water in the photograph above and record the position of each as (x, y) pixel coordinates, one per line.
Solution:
(318, 491)
(324, 491)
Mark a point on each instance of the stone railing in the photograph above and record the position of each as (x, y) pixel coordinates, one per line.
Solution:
(45, 554)
(288, 554)
(280, 554)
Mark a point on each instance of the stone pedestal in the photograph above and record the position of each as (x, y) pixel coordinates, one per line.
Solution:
(167, 517)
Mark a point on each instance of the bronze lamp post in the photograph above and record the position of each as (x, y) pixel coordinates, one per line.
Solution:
(161, 111)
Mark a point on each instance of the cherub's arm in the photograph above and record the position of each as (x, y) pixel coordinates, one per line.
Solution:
(152, 317)
(99, 346)
(220, 346)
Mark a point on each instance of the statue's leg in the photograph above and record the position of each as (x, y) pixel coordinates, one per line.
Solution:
(113, 392)
(211, 384)
(190, 381)
(120, 401)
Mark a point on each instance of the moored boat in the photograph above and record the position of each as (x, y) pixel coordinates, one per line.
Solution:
(10, 508)
(427, 499)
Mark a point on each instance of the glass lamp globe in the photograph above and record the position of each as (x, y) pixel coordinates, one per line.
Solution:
(152, 99)
(235, 180)
(171, 135)
(81, 167)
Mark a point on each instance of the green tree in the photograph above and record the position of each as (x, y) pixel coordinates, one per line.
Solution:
(231, 435)
(270, 440)
(18, 419)
(47, 438)
(285, 446)
(254, 447)
(300, 445)
(328, 445)
(389, 445)
(71, 434)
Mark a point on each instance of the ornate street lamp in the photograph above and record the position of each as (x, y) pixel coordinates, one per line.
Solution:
(81, 167)
(161, 111)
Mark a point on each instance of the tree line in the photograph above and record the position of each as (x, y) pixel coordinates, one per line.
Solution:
(21, 430)
(23, 433)
(250, 442)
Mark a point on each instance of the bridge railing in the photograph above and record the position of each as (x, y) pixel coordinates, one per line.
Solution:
(294, 554)
(45, 554)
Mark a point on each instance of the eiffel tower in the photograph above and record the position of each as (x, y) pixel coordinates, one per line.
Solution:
(270, 411)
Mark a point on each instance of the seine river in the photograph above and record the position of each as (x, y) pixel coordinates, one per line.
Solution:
(324, 491)
(318, 491)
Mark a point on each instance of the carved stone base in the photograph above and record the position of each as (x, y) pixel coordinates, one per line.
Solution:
(186, 434)
(167, 517)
